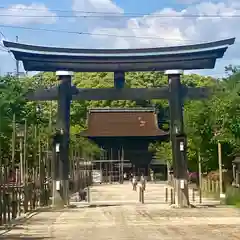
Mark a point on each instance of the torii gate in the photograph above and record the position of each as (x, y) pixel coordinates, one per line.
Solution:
(119, 61)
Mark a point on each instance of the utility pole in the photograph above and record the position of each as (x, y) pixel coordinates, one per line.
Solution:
(25, 162)
(17, 62)
(13, 140)
(200, 176)
(222, 195)
(49, 165)
(122, 161)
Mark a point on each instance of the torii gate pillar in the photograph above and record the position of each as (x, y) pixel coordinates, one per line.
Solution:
(178, 138)
(61, 169)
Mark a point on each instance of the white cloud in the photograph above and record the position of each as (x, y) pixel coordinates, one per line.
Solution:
(27, 14)
(190, 1)
(94, 8)
(154, 31)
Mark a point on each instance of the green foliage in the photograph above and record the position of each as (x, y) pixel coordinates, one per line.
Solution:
(233, 196)
(220, 113)
(203, 118)
(164, 151)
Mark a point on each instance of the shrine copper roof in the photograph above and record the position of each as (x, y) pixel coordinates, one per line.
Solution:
(196, 56)
(122, 123)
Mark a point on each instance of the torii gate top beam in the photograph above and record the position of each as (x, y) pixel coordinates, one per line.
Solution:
(198, 56)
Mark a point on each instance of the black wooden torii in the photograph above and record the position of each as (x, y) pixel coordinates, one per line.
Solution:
(119, 61)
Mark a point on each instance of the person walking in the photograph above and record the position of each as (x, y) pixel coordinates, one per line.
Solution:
(143, 182)
(130, 177)
(152, 176)
(134, 183)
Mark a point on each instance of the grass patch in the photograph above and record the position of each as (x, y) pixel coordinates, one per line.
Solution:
(233, 196)
(237, 205)
(214, 195)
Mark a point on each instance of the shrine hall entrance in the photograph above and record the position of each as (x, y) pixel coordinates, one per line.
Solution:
(109, 171)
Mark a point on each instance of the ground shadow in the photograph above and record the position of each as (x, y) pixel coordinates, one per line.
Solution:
(102, 205)
(49, 209)
(208, 206)
(22, 237)
(7, 228)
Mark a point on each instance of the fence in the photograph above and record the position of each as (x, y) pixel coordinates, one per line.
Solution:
(209, 188)
(18, 197)
(25, 172)
(80, 173)
(23, 185)
(80, 179)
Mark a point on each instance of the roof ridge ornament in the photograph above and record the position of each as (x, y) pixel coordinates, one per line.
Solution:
(174, 72)
(64, 73)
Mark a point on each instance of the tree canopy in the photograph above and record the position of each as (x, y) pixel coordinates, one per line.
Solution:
(206, 121)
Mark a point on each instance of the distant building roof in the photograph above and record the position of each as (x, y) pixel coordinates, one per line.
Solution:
(196, 56)
(123, 123)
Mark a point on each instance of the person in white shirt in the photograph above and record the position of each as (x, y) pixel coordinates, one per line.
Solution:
(143, 182)
(134, 183)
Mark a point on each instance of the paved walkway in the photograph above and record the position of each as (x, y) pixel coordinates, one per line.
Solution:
(130, 221)
(123, 194)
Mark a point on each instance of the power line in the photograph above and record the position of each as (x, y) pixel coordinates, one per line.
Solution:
(10, 54)
(87, 33)
(2, 35)
(112, 14)
(88, 15)
(2, 49)
(93, 34)
(17, 62)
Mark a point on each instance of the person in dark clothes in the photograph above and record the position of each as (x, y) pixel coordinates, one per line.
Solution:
(82, 195)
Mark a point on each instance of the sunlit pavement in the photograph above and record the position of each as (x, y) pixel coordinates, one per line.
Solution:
(130, 221)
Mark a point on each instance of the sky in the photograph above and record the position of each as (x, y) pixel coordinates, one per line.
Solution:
(120, 24)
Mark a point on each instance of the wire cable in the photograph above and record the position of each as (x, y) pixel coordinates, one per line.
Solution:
(98, 34)
(119, 16)
(112, 14)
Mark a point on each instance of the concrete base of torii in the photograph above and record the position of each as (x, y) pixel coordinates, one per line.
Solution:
(57, 201)
(181, 193)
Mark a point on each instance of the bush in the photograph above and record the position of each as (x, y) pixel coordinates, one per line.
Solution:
(233, 196)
